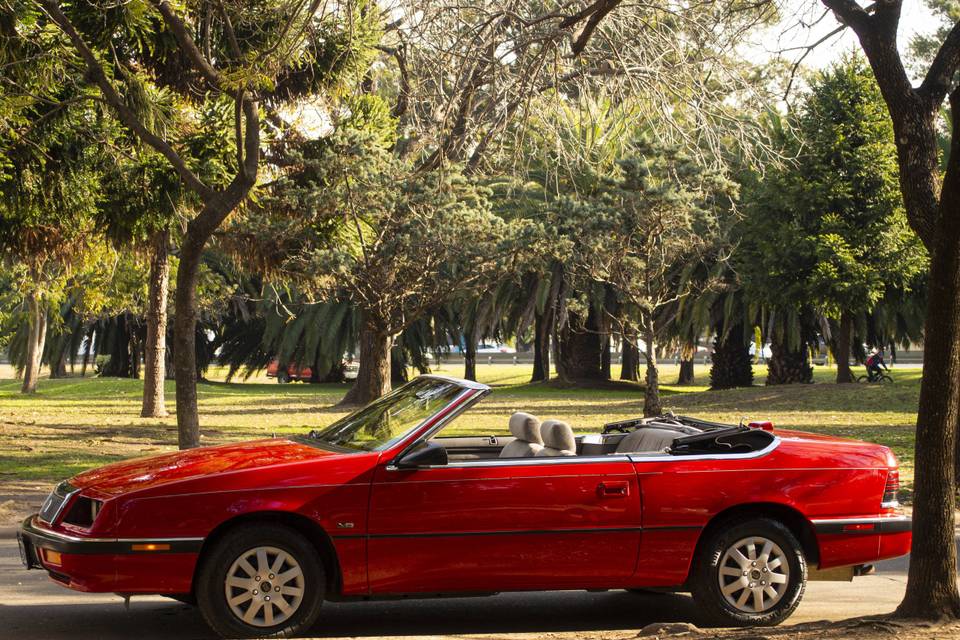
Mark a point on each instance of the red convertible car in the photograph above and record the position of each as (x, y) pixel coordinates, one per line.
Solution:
(382, 503)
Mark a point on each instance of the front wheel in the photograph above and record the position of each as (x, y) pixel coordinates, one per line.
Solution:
(263, 581)
(885, 379)
(749, 574)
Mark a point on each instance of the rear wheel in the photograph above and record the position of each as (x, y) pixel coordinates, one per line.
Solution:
(263, 581)
(750, 573)
(283, 377)
(862, 379)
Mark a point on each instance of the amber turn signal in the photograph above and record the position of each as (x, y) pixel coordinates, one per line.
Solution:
(151, 547)
(52, 557)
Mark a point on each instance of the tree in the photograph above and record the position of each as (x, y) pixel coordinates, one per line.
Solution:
(844, 195)
(403, 241)
(467, 74)
(645, 234)
(47, 199)
(933, 209)
(235, 56)
(142, 199)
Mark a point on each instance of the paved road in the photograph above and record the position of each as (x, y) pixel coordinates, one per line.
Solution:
(31, 607)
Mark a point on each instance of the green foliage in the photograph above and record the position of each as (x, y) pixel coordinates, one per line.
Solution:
(652, 226)
(827, 233)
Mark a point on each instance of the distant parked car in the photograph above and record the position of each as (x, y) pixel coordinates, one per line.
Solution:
(383, 504)
(304, 373)
(765, 352)
(485, 348)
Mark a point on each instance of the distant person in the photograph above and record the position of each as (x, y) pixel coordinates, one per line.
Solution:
(874, 363)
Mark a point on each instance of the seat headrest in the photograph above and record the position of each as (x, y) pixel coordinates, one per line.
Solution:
(525, 427)
(557, 434)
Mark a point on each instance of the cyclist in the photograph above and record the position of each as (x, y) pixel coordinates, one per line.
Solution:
(874, 362)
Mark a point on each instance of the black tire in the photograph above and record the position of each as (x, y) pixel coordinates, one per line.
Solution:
(217, 562)
(862, 379)
(283, 377)
(705, 583)
(885, 379)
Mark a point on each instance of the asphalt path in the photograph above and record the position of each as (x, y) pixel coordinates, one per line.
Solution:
(32, 607)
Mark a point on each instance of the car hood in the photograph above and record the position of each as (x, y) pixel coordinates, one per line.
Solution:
(146, 473)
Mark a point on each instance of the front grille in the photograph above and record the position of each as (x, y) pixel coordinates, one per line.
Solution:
(55, 502)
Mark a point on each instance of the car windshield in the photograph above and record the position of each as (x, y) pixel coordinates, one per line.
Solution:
(388, 419)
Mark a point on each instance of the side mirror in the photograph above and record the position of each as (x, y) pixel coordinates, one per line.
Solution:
(425, 454)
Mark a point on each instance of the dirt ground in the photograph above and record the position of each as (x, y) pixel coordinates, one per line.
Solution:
(873, 628)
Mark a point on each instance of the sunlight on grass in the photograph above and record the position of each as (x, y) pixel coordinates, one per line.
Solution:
(76, 423)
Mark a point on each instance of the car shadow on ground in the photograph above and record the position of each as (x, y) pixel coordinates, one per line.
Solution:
(508, 613)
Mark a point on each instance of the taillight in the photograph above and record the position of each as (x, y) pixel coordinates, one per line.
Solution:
(890, 490)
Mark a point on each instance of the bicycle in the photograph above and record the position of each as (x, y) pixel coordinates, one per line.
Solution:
(874, 377)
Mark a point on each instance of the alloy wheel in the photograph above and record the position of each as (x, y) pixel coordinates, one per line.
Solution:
(264, 586)
(754, 574)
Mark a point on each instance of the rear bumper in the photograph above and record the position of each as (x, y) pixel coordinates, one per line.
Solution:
(123, 565)
(860, 526)
(854, 541)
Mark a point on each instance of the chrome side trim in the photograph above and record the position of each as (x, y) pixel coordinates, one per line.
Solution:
(627, 457)
(48, 533)
(523, 462)
(873, 520)
(637, 457)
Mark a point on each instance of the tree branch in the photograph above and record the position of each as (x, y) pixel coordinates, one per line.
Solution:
(944, 68)
(189, 47)
(850, 13)
(114, 99)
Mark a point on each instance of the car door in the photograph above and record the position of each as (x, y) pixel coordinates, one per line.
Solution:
(489, 525)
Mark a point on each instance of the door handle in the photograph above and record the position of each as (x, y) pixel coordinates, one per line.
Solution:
(613, 489)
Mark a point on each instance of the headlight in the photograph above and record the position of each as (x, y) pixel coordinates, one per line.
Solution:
(83, 512)
(55, 502)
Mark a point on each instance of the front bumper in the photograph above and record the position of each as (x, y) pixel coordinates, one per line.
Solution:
(123, 565)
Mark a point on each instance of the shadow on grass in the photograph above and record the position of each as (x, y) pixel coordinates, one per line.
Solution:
(43, 466)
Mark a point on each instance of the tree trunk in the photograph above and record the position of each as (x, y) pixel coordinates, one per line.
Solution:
(373, 376)
(581, 348)
(185, 342)
(788, 367)
(629, 358)
(199, 230)
(844, 374)
(686, 376)
(732, 365)
(541, 347)
(932, 579)
(36, 336)
(605, 356)
(58, 364)
(931, 583)
(155, 350)
(469, 357)
(651, 394)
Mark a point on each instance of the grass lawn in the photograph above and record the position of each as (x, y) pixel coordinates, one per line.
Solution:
(77, 423)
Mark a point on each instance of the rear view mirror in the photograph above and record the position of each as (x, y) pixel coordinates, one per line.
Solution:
(425, 454)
